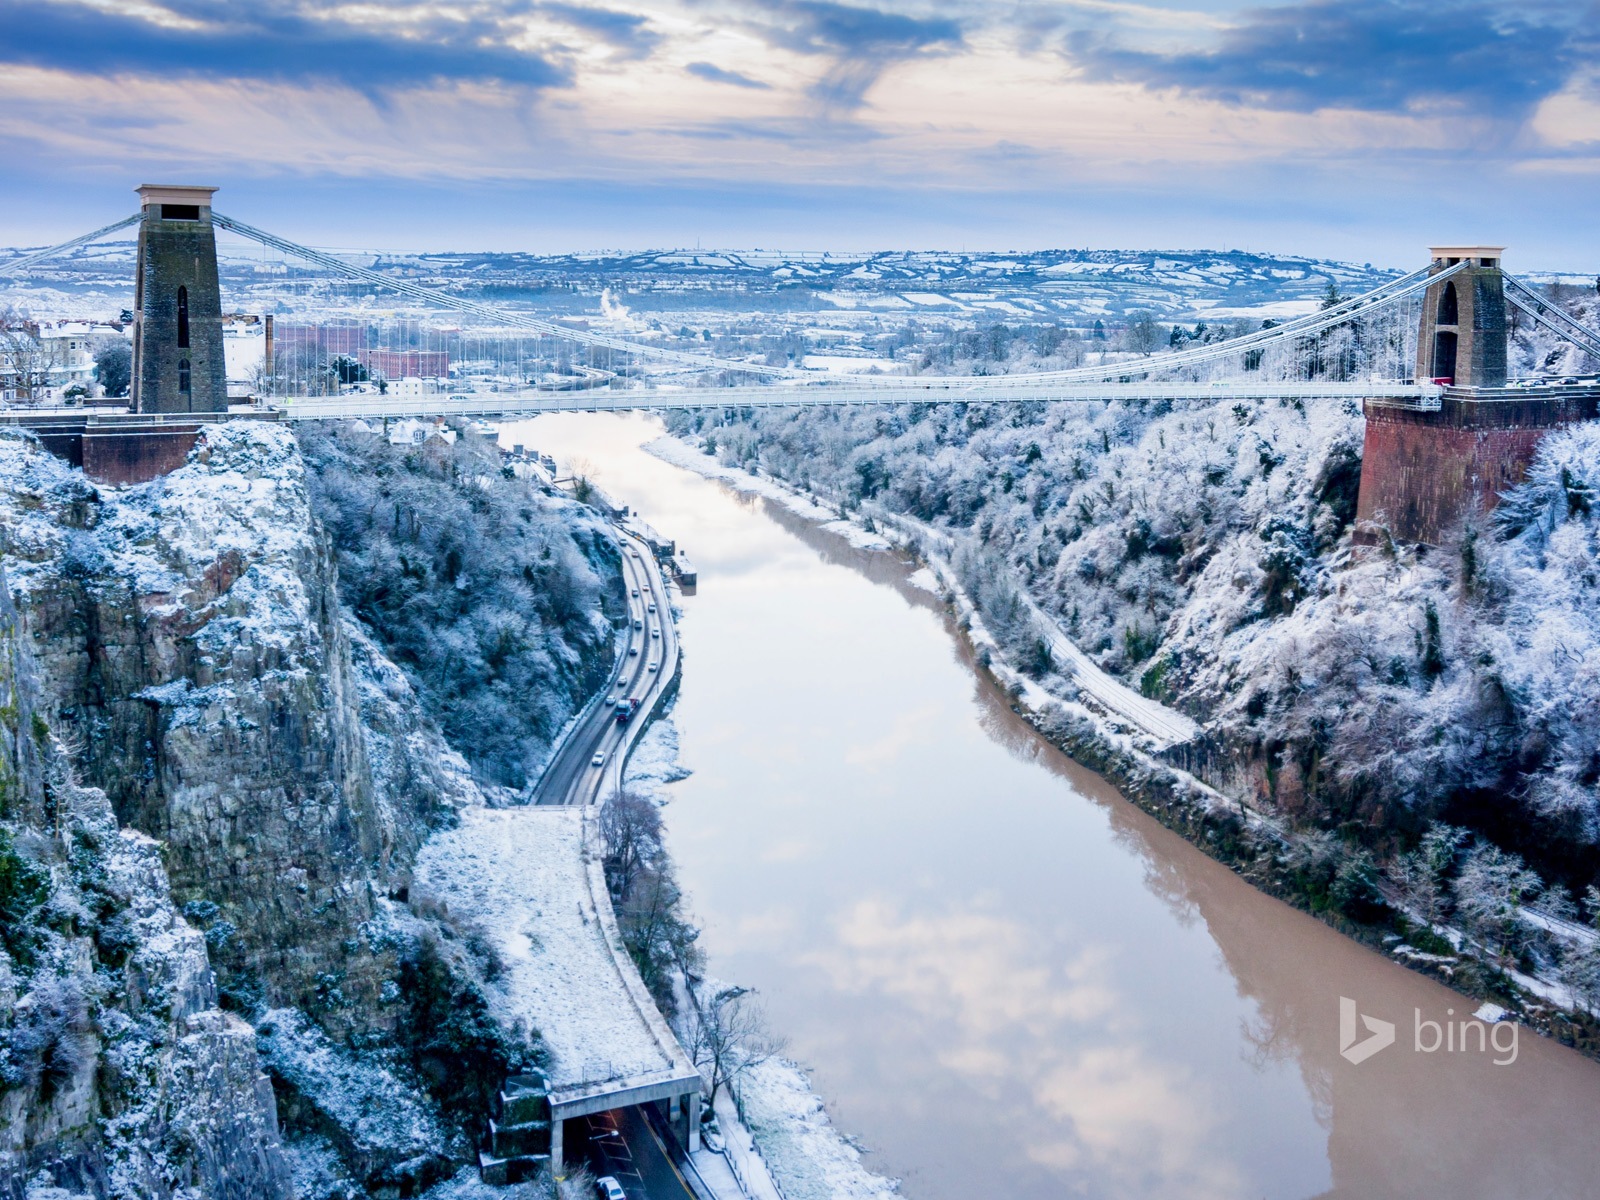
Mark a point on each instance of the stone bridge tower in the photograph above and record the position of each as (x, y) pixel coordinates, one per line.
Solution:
(1462, 340)
(1426, 470)
(177, 346)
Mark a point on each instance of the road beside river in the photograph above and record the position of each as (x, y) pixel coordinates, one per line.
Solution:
(1005, 979)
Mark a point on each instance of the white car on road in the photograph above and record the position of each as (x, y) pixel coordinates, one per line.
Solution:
(599, 759)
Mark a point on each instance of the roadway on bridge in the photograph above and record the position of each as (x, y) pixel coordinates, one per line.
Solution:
(843, 392)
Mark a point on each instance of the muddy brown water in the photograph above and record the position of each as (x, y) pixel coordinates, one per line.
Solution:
(1004, 979)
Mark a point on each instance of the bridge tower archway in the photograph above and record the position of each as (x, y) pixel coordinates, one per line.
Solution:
(1449, 305)
(1444, 355)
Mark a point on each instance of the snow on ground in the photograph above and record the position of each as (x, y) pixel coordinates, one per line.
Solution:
(731, 1154)
(521, 875)
(42, 1186)
(465, 1185)
(379, 1112)
(1166, 725)
(809, 1158)
(241, 493)
(317, 1170)
(849, 364)
(654, 761)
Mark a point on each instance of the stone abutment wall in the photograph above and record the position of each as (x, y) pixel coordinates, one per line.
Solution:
(1423, 474)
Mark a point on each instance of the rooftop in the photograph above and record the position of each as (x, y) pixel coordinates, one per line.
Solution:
(174, 193)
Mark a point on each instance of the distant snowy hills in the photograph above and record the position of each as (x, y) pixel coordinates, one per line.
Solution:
(1042, 286)
(1074, 287)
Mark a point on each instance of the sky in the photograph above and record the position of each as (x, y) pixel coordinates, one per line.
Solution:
(1357, 129)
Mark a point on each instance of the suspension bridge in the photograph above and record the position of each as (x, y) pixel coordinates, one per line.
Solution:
(1445, 370)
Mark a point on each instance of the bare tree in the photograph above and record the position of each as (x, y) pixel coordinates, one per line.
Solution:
(24, 365)
(1580, 965)
(1143, 335)
(1580, 971)
(728, 1036)
(649, 903)
(577, 1184)
(631, 826)
(1491, 892)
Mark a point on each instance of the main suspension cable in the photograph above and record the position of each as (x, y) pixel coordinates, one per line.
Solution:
(18, 265)
(1346, 310)
(1552, 317)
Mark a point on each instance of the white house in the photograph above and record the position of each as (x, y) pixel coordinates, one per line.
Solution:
(69, 355)
(41, 362)
(412, 385)
(412, 432)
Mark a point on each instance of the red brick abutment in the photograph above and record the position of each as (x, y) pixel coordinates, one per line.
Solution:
(1425, 473)
(120, 448)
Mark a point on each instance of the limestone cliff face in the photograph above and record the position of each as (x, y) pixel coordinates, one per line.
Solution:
(121, 1076)
(215, 785)
(192, 652)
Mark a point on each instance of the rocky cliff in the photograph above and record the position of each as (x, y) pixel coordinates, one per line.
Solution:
(215, 786)
(121, 1074)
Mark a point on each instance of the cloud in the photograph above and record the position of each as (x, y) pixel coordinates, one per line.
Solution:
(862, 42)
(1571, 118)
(1373, 55)
(627, 32)
(716, 74)
(265, 41)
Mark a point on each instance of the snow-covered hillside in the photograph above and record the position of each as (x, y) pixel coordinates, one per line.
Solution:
(1074, 286)
(1367, 696)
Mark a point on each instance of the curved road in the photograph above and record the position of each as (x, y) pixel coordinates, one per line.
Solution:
(572, 777)
(621, 1143)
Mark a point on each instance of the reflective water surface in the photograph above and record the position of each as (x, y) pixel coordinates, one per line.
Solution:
(1005, 979)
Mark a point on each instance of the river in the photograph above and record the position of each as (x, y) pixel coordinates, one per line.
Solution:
(1004, 979)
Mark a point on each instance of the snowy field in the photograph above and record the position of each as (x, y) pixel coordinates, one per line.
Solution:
(520, 875)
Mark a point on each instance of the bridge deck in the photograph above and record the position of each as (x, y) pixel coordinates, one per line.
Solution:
(981, 391)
